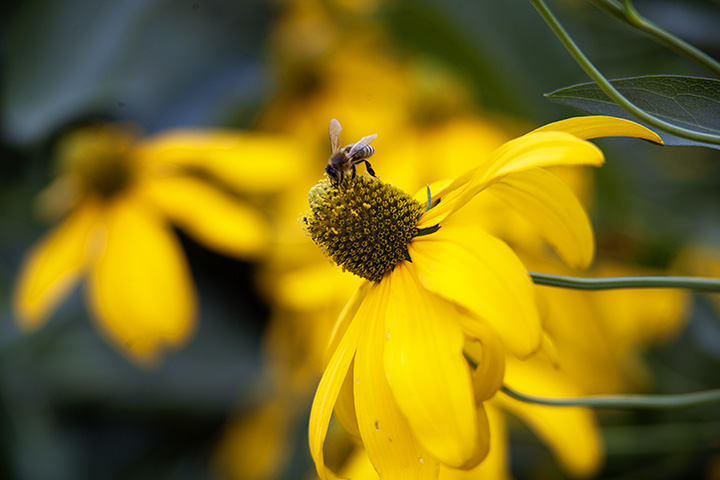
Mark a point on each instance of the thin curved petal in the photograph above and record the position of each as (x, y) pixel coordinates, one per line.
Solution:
(596, 126)
(571, 433)
(329, 389)
(555, 211)
(346, 316)
(465, 265)
(53, 268)
(248, 161)
(543, 149)
(345, 413)
(214, 218)
(386, 434)
(426, 369)
(140, 287)
(488, 352)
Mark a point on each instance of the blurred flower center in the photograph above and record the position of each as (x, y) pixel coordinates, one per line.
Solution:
(98, 159)
(362, 224)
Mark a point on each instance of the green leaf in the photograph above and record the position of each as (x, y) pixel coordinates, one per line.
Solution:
(688, 102)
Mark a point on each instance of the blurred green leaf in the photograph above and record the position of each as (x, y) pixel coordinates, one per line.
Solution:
(689, 102)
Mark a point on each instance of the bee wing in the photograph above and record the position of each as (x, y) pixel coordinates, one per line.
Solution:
(360, 143)
(335, 133)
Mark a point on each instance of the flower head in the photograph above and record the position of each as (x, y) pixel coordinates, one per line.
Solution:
(437, 292)
(117, 195)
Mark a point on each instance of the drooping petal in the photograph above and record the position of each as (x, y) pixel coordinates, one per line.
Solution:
(345, 413)
(250, 162)
(554, 210)
(488, 352)
(426, 369)
(465, 265)
(596, 126)
(140, 287)
(496, 465)
(358, 466)
(571, 433)
(214, 218)
(53, 268)
(389, 441)
(346, 316)
(330, 385)
(543, 149)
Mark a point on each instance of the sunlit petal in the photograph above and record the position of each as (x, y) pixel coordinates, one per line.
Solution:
(464, 264)
(346, 315)
(596, 126)
(329, 388)
(542, 149)
(427, 372)
(554, 210)
(249, 161)
(571, 433)
(140, 287)
(386, 434)
(53, 268)
(214, 218)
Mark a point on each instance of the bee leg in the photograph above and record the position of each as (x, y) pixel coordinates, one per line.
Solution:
(354, 170)
(369, 168)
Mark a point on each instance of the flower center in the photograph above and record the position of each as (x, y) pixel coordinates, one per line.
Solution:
(100, 158)
(363, 224)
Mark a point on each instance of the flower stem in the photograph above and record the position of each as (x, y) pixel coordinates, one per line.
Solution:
(626, 12)
(620, 401)
(609, 89)
(606, 283)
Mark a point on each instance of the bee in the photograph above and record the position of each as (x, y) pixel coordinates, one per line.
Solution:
(343, 160)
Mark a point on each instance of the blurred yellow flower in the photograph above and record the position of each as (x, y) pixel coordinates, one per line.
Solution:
(413, 402)
(118, 196)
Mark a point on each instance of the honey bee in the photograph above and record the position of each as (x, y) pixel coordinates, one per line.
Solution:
(343, 160)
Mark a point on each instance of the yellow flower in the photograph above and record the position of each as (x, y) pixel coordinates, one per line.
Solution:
(119, 195)
(433, 286)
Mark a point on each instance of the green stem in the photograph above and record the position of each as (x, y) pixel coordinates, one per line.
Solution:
(627, 13)
(606, 283)
(609, 89)
(620, 401)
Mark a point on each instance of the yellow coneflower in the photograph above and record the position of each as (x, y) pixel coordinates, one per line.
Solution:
(118, 196)
(434, 287)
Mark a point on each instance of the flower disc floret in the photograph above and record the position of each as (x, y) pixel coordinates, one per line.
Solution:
(362, 224)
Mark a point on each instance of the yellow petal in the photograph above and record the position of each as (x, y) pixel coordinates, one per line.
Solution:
(554, 210)
(345, 413)
(488, 352)
(571, 433)
(329, 389)
(346, 316)
(542, 149)
(465, 265)
(250, 162)
(386, 434)
(496, 465)
(53, 267)
(214, 218)
(140, 288)
(358, 466)
(426, 369)
(596, 126)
